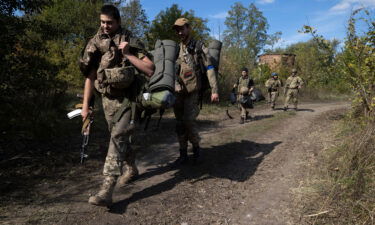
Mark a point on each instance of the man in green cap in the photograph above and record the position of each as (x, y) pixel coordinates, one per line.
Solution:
(244, 86)
(273, 85)
(113, 53)
(192, 57)
(293, 84)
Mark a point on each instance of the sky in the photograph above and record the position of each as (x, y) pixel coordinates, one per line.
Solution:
(329, 17)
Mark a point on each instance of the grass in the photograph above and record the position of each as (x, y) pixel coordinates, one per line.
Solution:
(344, 183)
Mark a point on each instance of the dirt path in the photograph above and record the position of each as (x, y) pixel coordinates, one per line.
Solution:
(246, 176)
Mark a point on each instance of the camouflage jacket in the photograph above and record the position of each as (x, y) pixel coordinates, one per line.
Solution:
(294, 82)
(188, 79)
(273, 85)
(101, 52)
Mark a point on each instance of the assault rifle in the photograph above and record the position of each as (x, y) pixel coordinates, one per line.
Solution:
(85, 131)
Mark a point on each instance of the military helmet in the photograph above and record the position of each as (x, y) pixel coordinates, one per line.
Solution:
(274, 74)
(244, 90)
(294, 70)
(244, 69)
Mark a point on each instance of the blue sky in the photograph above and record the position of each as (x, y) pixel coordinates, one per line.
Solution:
(329, 17)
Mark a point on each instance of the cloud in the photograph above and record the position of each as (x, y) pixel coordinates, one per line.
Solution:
(346, 5)
(265, 1)
(221, 15)
(284, 42)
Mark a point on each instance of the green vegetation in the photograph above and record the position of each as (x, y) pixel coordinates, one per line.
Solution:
(345, 188)
(42, 40)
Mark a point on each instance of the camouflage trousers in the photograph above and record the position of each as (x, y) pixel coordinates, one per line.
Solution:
(119, 149)
(291, 94)
(273, 97)
(186, 110)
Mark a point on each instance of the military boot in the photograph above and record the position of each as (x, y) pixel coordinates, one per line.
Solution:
(131, 170)
(183, 159)
(130, 175)
(196, 153)
(104, 196)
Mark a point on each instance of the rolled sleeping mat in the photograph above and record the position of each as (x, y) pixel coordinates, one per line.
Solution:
(214, 49)
(156, 100)
(165, 55)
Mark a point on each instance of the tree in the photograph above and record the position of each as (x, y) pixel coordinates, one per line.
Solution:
(161, 27)
(134, 18)
(38, 62)
(234, 36)
(246, 33)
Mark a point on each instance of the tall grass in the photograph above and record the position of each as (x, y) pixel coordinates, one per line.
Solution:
(346, 188)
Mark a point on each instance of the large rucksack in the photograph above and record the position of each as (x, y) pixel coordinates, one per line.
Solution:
(158, 91)
(214, 50)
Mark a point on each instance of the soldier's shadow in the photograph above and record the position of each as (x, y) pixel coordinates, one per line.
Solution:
(236, 161)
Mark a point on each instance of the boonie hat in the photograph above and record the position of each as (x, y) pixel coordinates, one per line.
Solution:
(180, 22)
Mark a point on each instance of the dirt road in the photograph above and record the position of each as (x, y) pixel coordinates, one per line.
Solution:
(247, 175)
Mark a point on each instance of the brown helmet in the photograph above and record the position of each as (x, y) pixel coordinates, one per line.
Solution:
(294, 70)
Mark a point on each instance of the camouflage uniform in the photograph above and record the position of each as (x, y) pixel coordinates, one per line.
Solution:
(293, 84)
(273, 86)
(102, 53)
(243, 83)
(188, 84)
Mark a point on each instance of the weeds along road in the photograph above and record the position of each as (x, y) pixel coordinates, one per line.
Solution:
(247, 175)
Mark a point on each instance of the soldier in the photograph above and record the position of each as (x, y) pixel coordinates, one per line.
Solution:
(273, 84)
(292, 86)
(244, 86)
(193, 55)
(113, 51)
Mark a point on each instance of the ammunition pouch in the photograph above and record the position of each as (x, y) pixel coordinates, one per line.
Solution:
(116, 80)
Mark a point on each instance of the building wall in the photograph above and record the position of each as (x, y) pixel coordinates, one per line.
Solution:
(276, 60)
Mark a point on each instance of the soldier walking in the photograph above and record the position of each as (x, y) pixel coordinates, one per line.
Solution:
(193, 55)
(293, 84)
(107, 53)
(244, 86)
(273, 85)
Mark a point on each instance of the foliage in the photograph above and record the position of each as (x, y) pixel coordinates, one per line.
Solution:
(358, 62)
(72, 23)
(134, 18)
(245, 37)
(161, 26)
(38, 61)
(246, 32)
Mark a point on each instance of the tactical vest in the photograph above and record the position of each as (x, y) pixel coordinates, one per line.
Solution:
(114, 75)
(244, 83)
(293, 82)
(273, 85)
(188, 75)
